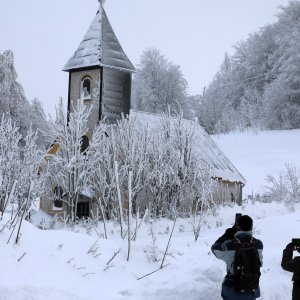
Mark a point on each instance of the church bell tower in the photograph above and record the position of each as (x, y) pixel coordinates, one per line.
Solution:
(100, 73)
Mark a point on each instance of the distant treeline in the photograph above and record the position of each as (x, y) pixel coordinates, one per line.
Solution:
(13, 103)
(257, 87)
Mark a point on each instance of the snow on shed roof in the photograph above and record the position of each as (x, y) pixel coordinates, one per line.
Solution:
(99, 47)
(206, 147)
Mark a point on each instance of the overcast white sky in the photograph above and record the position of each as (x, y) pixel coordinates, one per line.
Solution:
(195, 34)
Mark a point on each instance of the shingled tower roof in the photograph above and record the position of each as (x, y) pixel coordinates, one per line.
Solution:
(99, 47)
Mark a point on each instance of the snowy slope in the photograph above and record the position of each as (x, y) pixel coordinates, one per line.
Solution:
(49, 271)
(257, 155)
(57, 264)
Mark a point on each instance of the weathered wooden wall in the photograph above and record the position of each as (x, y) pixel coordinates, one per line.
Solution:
(116, 94)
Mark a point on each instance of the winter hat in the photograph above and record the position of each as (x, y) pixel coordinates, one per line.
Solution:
(245, 223)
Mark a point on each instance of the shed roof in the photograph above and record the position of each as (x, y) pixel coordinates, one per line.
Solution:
(99, 47)
(206, 147)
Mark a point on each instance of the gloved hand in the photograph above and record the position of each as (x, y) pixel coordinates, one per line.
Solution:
(230, 232)
(290, 246)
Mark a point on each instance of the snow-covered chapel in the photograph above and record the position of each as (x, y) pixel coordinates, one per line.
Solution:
(100, 72)
(100, 75)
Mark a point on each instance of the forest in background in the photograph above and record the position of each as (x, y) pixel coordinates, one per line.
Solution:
(256, 87)
(15, 106)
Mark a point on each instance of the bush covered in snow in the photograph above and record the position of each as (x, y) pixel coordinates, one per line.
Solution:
(285, 188)
(167, 174)
(20, 182)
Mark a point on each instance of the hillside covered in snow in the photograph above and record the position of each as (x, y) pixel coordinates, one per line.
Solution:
(260, 154)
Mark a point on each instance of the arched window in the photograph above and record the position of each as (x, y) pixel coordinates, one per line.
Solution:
(86, 88)
(58, 197)
(84, 144)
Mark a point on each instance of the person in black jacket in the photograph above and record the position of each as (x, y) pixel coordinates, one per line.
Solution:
(291, 264)
(224, 248)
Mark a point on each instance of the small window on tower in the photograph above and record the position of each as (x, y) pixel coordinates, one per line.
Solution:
(86, 88)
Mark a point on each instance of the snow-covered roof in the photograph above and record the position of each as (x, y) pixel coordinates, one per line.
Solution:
(206, 147)
(99, 47)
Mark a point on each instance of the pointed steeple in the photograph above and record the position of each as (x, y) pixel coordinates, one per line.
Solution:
(99, 47)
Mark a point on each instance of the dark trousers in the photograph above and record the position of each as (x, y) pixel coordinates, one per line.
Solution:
(296, 292)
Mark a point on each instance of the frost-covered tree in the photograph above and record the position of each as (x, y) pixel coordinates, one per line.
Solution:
(68, 168)
(162, 159)
(39, 121)
(121, 148)
(12, 100)
(158, 84)
(132, 150)
(259, 83)
(102, 179)
(14, 104)
(166, 169)
(279, 111)
(186, 181)
(20, 182)
(285, 188)
(192, 107)
(251, 110)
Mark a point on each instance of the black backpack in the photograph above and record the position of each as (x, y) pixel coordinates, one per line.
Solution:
(246, 266)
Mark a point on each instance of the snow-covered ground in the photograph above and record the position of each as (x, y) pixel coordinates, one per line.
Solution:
(59, 265)
(257, 155)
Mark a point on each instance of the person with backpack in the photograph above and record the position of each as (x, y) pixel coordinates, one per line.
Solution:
(291, 264)
(243, 256)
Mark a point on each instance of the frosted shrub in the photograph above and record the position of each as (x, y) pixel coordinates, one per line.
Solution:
(219, 223)
(152, 253)
(20, 182)
(130, 169)
(42, 225)
(53, 222)
(286, 188)
(68, 166)
(181, 228)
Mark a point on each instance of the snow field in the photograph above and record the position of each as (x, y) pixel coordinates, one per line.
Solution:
(257, 155)
(51, 271)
